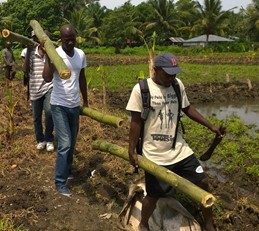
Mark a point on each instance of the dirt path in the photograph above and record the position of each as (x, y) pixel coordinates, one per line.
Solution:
(27, 192)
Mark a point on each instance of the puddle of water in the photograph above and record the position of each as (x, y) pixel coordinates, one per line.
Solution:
(247, 111)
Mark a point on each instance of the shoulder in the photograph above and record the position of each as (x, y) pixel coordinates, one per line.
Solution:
(181, 85)
(179, 81)
(59, 49)
(79, 51)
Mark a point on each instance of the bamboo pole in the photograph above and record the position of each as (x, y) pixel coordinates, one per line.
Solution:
(101, 117)
(14, 37)
(197, 194)
(58, 62)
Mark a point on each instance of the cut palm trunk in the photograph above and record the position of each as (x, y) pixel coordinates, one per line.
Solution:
(101, 117)
(58, 62)
(14, 37)
(197, 194)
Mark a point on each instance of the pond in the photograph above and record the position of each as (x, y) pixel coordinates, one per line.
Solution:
(247, 111)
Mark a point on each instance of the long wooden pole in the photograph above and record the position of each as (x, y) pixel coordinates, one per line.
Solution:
(11, 36)
(61, 67)
(101, 117)
(197, 194)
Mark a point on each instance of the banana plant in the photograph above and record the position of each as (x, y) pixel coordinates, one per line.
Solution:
(151, 52)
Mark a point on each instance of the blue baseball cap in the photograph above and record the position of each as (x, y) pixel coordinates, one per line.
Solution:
(168, 62)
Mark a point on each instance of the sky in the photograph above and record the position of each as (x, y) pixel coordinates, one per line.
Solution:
(226, 4)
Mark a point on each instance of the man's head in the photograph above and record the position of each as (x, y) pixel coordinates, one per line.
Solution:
(68, 38)
(34, 37)
(8, 44)
(166, 68)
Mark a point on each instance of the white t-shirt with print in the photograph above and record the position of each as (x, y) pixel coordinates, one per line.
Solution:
(160, 125)
(67, 92)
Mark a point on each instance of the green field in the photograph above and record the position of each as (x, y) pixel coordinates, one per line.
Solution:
(123, 77)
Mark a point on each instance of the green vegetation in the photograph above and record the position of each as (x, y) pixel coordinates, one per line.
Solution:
(238, 149)
(128, 24)
(123, 77)
(7, 225)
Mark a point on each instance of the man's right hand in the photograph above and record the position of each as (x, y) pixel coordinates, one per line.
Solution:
(133, 159)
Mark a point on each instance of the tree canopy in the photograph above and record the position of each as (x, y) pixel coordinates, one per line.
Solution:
(123, 26)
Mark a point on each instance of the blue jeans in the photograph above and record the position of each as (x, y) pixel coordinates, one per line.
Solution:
(66, 124)
(38, 106)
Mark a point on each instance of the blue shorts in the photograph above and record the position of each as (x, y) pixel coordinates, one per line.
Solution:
(188, 168)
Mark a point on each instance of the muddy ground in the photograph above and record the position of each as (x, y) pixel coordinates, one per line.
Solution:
(27, 192)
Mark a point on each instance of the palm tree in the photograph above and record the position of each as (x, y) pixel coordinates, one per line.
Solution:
(212, 20)
(83, 25)
(119, 26)
(164, 19)
(97, 12)
(187, 13)
(252, 14)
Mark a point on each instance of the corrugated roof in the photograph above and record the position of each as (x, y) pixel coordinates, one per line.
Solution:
(176, 39)
(212, 38)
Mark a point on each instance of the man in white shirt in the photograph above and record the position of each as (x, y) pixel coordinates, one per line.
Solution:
(65, 103)
(158, 138)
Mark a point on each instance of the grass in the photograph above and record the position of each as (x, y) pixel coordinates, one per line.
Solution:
(6, 224)
(124, 77)
(238, 149)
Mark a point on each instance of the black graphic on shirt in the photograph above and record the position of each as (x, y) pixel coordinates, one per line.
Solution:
(163, 105)
(161, 137)
(170, 115)
(161, 117)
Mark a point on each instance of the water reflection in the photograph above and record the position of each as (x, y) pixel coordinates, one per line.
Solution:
(247, 111)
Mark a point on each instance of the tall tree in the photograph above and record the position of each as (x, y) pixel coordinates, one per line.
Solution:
(163, 20)
(238, 28)
(212, 19)
(187, 13)
(97, 13)
(252, 13)
(120, 25)
(84, 26)
(46, 12)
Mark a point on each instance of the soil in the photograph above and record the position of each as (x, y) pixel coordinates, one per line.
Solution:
(27, 192)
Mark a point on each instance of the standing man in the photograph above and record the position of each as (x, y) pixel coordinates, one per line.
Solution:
(40, 92)
(65, 103)
(158, 140)
(9, 61)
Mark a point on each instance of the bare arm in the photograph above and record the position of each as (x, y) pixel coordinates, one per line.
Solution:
(48, 69)
(193, 114)
(135, 127)
(83, 87)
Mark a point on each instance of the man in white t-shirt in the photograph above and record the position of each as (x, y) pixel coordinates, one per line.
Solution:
(159, 135)
(65, 103)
